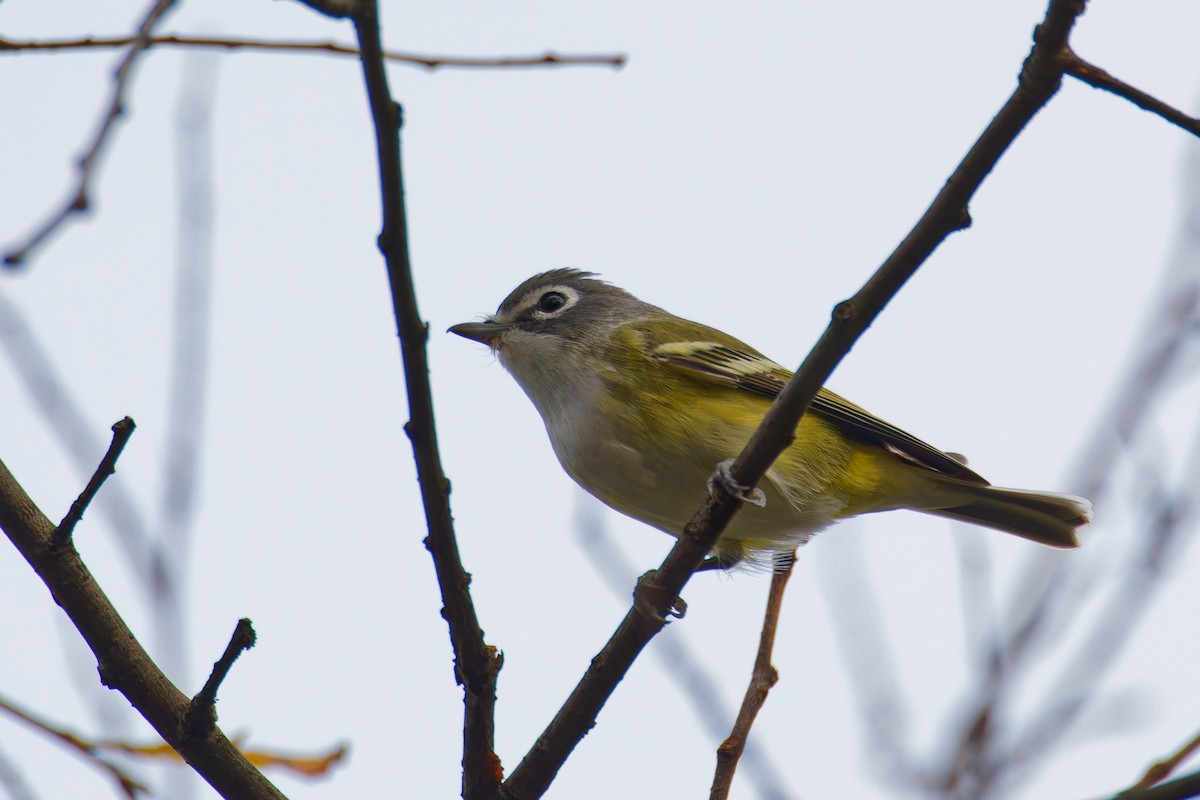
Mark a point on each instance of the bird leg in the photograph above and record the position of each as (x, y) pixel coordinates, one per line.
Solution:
(723, 477)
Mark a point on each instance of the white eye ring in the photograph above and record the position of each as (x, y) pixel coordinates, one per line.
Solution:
(553, 301)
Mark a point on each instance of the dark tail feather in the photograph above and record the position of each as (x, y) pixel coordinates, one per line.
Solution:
(1049, 519)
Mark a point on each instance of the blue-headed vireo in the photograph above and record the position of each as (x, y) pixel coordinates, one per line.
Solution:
(642, 405)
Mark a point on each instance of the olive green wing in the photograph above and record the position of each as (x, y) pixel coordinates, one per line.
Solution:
(719, 357)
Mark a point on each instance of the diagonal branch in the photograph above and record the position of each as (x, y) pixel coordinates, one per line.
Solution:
(677, 659)
(61, 411)
(77, 199)
(122, 662)
(201, 715)
(122, 430)
(128, 785)
(1097, 78)
(1178, 789)
(1046, 599)
(547, 59)
(1170, 517)
(1159, 771)
(1040, 78)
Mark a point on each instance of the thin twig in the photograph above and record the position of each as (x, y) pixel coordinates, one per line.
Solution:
(1097, 78)
(1169, 519)
(547, 59)
(1040, 79)
(762, 678)
(77, 199)
(1178, 789)
(688, 672)
(477, 663)
(128, 785)
(122, 662)
(1052, 588)
(1161, 770)
(53, 399)
(122, 430)
(201, 715)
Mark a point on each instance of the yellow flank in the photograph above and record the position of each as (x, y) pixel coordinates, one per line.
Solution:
(679, 417)
(641, 406)
(863, 478)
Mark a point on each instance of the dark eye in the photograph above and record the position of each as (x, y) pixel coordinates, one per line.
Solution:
(551, 302)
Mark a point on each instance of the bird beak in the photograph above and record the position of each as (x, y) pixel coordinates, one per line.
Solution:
(486, 332)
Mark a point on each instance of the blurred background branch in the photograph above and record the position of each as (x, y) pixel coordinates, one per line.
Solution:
(79, 197)
(1043, 628)
(1018, 648)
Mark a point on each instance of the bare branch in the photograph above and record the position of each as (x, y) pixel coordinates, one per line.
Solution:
(684, 666)
(128, 785)
(1169, 520)
(201, 715)
(1097, 78)
(122, 430)
(52, 398)
(122, 662)
(762, 678)
(1161, 770)
(1040, 79)
(1052, 588)
(547, 59)
(1178, 789)
(477, 663)
(77, 199)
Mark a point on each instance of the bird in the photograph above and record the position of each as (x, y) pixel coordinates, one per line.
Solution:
(641, 406)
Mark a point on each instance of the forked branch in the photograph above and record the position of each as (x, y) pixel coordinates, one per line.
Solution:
(123, 663)
(1040, 79)
(78, 197)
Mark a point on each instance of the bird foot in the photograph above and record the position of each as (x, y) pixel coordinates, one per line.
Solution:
(723, 477)
(647, 608)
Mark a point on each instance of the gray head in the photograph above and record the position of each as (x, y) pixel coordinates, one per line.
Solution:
(552, 333)
(569, 305)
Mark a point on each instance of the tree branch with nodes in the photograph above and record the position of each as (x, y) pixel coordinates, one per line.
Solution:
(1040, 78)
(122, 430)
(1097, 78)
(762, 678)
(201, 716)
(78, 198)
(547, 59)
(125, 665)
(477, 664)
(1159, 771)
(656, 597)
(122, 662)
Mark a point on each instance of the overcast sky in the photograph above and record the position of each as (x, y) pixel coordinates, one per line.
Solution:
(749, 168)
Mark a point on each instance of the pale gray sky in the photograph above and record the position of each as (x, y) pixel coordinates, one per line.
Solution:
(749, 168)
